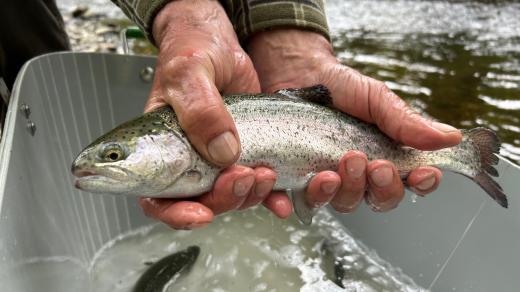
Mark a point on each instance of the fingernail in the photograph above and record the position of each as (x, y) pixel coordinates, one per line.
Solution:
(224, 148)
(355, 167)
(329, 187)
(444, 127)
(243, 185)
(382, 176)
(263, 188)
(426, 184)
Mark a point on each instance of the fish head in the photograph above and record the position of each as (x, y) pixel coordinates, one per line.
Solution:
(142, 157)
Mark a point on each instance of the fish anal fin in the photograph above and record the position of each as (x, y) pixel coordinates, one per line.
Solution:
(491, 187)
(317, 94)
(304, 212)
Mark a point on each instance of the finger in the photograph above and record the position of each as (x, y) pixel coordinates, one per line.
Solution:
(322, 188)
(230, 190)
(385, 187)
(264, 182)
(279, 204)
(155, 98)
(424, 180)
(177, 214)
(352, 170)
(187, 84)
(372, 101)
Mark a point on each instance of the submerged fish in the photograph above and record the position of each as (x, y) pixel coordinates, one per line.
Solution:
(295, 132)
(161, 274)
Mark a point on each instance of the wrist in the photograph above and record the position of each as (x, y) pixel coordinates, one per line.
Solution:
(188, 17)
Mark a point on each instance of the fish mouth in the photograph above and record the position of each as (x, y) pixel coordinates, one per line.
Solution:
(102, 180)
(95, 183)
(83, 173)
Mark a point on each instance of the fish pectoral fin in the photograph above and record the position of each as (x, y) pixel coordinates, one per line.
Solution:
(318, 94)
(301, 208)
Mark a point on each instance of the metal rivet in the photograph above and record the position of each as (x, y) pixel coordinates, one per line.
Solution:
(26, 110)
(31, 127)
(147, 74)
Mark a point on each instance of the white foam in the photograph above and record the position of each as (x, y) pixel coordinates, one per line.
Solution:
(245, 251)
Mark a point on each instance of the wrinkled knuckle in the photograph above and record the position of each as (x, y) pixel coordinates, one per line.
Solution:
(178, 64)
(379, 88)
(387, 94)
(199, 115)
(240, 57)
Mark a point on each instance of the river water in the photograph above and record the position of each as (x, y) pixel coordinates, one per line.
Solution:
(456, 61)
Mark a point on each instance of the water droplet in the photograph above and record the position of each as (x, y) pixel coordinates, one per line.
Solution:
(414, 198)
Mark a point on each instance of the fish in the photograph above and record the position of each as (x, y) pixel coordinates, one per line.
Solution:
(332, 264)
(162, 273)
(296, 132)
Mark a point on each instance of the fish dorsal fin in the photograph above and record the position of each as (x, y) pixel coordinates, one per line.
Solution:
(318, 94)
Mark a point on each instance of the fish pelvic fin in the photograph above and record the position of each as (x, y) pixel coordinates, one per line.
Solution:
(304, 212)
(487, 144)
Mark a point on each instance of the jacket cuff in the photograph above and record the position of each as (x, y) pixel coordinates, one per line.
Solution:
(142, 13)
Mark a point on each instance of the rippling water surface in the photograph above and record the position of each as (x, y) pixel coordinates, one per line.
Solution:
(458, 61)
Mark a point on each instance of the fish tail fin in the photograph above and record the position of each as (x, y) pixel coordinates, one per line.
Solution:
(487, 145)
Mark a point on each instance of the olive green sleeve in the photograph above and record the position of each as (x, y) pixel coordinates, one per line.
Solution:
(251, 16)
(142, 12)
(247, 16)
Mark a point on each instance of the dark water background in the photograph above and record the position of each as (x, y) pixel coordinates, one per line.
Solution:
(456, 61)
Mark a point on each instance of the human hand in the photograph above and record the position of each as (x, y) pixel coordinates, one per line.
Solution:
(289, 58)
(199, 56)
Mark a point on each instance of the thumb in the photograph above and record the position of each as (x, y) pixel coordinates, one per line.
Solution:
(372, 101)
(187, 84)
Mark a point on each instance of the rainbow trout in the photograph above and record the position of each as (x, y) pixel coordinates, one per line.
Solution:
(296, 132)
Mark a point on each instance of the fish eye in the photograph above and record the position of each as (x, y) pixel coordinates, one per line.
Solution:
(112, 153)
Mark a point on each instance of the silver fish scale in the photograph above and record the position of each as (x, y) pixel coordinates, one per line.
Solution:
(298, 139)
